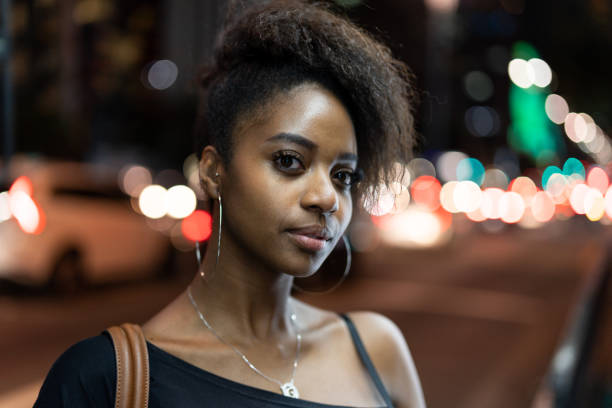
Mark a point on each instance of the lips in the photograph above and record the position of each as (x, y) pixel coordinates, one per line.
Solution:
(311, 238)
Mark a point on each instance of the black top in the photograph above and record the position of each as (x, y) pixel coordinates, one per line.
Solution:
(85, 376)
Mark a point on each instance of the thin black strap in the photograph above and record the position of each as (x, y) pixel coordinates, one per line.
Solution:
(366, 361)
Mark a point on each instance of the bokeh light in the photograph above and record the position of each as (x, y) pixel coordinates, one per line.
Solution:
(402, 175)
(542, 74)
(133, 179)
(511, 207)
(574, 169)
(476, 215)
(402, 197)
(585, 127)
(577, 198)
(470, 169)
(556, 108)
(447, 163)
(556, 186)
(28, 214)
(548, 172)
(490, 203)
(597, 144)
(594, 204)
(482, 121)
(598, 179)
(414, 227)
(190, 165)
(379, 201)
(425, 191)
(495, 178)
(527, 73)
(542, 207)
(570, 128)
(478, 85)
(162, 74)
(180, 201)
(521, 73)
(447, 198)
(197, 227)
(152, 201)
(580, 128)
(467, 196)
(525, 187)
(421, 167)
(23, 184)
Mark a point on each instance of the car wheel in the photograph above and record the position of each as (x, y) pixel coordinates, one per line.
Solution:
(68, 273)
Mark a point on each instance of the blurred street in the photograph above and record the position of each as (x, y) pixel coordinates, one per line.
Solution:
(482, 315)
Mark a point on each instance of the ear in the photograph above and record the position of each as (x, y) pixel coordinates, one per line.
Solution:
(211, 171)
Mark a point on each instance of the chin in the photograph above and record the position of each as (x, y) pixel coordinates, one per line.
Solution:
(304, 266)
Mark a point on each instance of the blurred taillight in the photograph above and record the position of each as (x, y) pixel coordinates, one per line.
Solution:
(28, 214)
(20, 204)
(22, 183)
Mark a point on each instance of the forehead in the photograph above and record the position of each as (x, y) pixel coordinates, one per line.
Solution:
(309, 110)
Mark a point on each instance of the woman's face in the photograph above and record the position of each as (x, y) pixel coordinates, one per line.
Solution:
(287, 190)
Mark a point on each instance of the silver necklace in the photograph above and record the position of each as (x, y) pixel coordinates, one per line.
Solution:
(288, 388)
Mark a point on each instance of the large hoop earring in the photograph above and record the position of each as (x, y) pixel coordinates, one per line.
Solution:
(198, 251)
(219, 234)
(347, 268)
(197, 244)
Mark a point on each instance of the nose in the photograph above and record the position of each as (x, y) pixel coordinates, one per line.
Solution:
(320, 194)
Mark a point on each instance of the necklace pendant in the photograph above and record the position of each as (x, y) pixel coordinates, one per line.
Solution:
(290, 390)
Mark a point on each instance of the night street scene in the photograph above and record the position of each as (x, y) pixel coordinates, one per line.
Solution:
(490, 249)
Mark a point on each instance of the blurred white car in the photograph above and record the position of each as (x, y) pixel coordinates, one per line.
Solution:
(67, 224)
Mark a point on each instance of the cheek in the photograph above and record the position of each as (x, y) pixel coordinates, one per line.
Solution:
(257, 196)
(347, 211)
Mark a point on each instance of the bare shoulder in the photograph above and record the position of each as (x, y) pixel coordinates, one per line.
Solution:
(313, 318)
(391, 356)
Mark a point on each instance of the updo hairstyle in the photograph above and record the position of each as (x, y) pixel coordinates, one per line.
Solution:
(271, 48)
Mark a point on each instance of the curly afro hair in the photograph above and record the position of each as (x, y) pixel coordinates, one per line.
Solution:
(271, 48)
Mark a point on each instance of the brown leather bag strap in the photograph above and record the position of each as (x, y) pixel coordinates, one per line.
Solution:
(132, 358)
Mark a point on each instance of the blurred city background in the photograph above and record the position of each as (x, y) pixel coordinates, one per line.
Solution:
(491, 251)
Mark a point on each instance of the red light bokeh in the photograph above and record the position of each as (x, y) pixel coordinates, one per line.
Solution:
(22, 183)
(425, 190)
(198, 226)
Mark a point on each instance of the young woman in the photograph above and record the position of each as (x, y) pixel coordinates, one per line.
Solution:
(303, 116)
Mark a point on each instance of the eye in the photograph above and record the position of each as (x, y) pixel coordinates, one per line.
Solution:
(348, 178)
(288, 161)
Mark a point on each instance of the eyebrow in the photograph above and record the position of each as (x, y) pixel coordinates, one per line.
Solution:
(348, 157)
(308, 144)
(293, 138)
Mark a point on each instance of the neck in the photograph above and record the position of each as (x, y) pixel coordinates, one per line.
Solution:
(246, 303)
